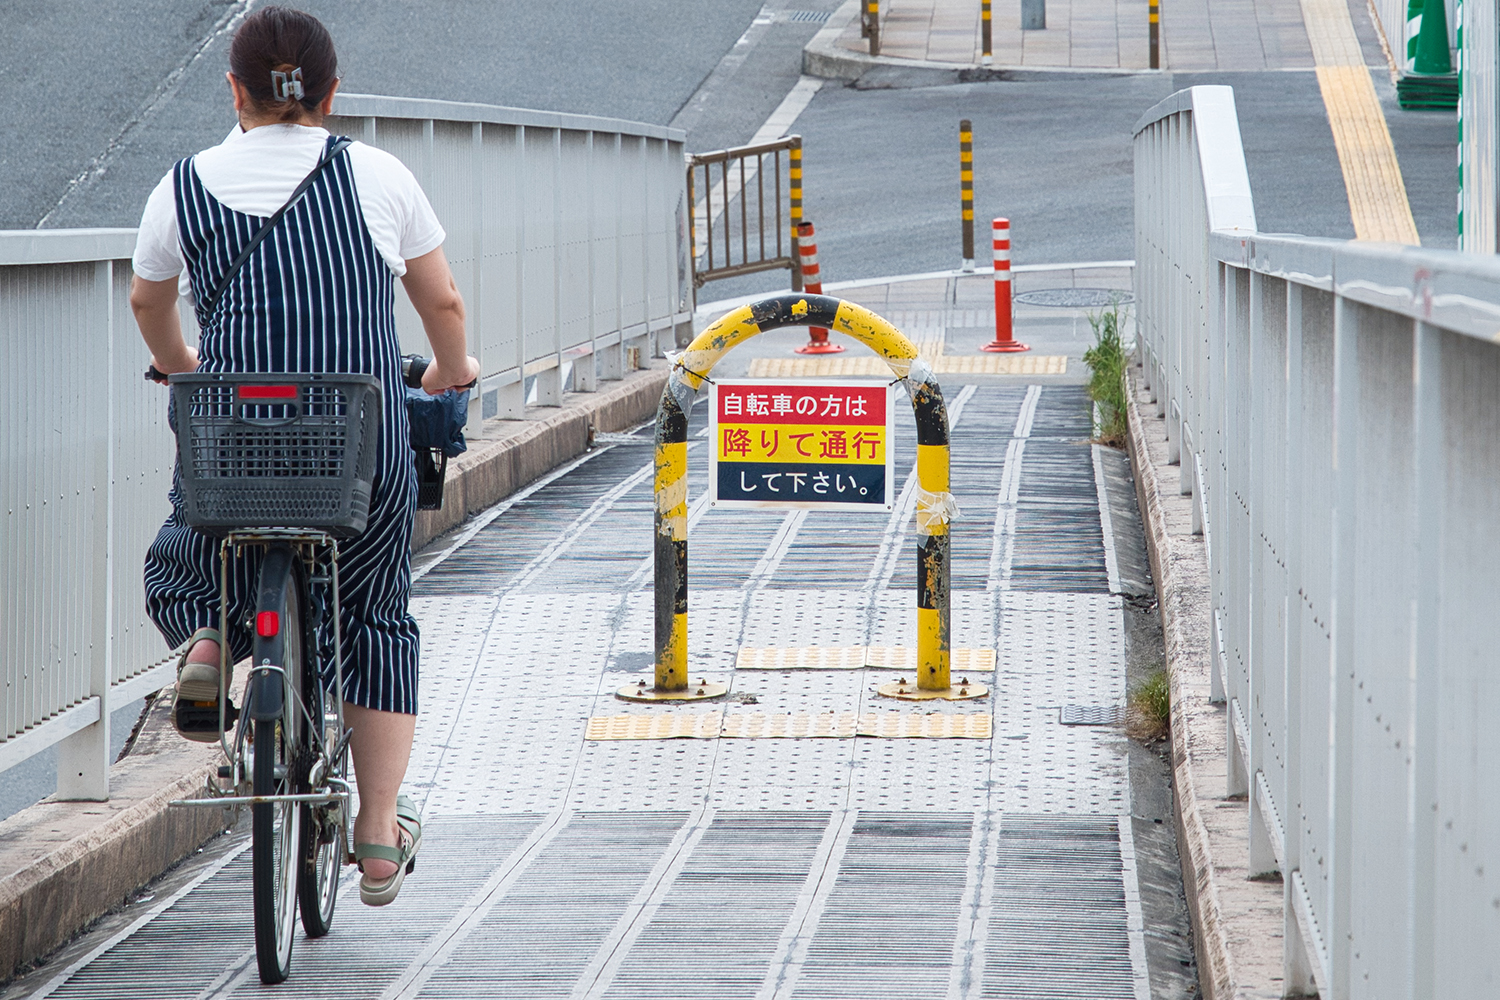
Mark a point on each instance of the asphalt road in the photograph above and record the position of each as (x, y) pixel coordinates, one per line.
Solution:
(1054, 156)
(114, 93)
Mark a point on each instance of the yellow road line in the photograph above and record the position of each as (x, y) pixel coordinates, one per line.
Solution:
(1378, 204)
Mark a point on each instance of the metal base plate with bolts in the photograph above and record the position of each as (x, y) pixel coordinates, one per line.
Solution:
(644, 690)
(903, 690)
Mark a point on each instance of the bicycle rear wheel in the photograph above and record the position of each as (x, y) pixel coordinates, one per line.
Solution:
(280, 740)
(323, 834)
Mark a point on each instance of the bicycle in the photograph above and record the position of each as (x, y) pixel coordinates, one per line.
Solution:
(282, 463)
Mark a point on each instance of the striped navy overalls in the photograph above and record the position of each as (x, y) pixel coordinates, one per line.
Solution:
(315, 296)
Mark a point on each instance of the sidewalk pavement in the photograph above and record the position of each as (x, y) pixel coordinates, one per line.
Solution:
(65, 864)
(1080, 34)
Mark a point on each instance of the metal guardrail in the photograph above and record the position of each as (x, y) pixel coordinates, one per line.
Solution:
(743, 210)
(1333, 408)
(568, 237)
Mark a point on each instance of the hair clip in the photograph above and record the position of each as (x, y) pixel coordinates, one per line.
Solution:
(287, 86)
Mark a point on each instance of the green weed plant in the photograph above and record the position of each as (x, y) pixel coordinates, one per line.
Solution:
(1106, 361)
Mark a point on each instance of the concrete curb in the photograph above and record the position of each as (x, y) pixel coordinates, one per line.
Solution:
(65, 864)
(1238, 924)
(508, 454)
(1179, 566)
(824, 57)
(69, 863)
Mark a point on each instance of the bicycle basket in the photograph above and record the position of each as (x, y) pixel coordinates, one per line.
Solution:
(276, 450)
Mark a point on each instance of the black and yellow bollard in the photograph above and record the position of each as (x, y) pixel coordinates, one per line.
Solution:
(1155, 20)
(966, 188)
(872, 22)
(794, 176)
(935, 505)
(986, 56)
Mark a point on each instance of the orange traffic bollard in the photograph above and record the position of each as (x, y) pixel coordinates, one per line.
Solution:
(1004, 340)
(812, 284)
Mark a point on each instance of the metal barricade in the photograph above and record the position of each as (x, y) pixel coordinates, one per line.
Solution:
(735, 206)
(1332, 406)
(563, 290)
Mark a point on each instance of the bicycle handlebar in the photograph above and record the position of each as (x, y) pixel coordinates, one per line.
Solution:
(413, 366)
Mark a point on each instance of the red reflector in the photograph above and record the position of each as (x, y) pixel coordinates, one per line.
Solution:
(268, 392)
(267, 623)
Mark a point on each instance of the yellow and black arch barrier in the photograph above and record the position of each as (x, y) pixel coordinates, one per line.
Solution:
(935, 506)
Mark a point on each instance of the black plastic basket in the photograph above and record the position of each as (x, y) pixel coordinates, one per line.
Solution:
(276, 450)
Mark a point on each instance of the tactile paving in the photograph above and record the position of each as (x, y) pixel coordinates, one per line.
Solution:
(854, 657)
(791, 725)
(697, 725)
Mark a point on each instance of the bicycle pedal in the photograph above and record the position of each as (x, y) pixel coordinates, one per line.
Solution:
(203, 717)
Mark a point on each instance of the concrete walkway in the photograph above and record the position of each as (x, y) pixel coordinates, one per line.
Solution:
(1095, 34)
(571, 849)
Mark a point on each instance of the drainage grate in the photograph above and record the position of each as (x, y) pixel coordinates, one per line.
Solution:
(810, 16)
(1090, 715)
(1075, 298)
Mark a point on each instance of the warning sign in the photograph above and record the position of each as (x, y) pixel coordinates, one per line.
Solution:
(824, 445)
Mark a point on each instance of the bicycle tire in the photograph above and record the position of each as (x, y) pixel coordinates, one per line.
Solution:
(322, 844)
(276, 839)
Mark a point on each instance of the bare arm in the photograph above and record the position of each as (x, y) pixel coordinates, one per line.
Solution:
(155, 306)
(429, 285)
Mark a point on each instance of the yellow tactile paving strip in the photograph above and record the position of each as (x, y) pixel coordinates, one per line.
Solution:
(1378, 204)
(664, 726)
(962, 658)
(791, 725)
(984, 364)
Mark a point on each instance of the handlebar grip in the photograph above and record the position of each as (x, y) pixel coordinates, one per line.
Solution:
(153, 375)
(413, 366)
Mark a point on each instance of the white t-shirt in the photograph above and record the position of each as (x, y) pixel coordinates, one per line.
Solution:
(255, 172)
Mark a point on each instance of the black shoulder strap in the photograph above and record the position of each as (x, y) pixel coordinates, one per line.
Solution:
(334, 149)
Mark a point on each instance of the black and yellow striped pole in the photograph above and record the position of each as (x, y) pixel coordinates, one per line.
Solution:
(794, 175)
(935, 505)
(986, 57)
(1155, 20)
(872, 19)
(966, 187)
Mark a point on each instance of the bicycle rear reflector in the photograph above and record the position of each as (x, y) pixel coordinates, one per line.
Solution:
(268, 392)
(267, 624)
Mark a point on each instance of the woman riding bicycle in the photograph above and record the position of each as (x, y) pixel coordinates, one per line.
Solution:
(314, 296)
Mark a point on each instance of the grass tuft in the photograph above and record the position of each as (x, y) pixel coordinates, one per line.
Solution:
(1106, 361)
(1148, 715)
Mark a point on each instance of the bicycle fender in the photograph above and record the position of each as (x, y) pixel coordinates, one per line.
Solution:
(266, 698)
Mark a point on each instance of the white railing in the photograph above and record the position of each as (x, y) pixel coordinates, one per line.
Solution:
(1334, 407)
(567, 235)
(568, 238)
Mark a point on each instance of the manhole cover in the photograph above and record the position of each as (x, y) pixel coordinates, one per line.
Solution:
(1090, 715)
(1076, 298)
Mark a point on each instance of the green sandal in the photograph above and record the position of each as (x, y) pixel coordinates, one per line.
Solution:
(403, 857)
(196, 712)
